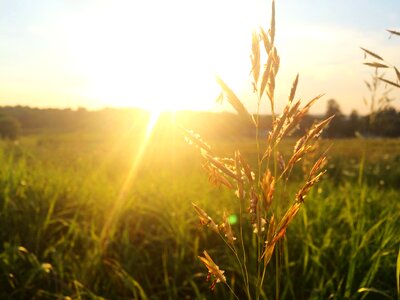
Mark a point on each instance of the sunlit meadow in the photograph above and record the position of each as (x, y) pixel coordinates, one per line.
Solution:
(229, 180)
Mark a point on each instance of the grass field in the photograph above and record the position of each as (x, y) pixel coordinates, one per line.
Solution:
(90, 216)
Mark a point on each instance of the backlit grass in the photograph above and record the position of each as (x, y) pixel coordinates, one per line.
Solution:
(56, 193)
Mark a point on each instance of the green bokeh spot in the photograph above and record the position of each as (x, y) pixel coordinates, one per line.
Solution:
(232, 219)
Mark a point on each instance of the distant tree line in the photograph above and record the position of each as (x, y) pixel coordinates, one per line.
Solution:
(9, 127)
(382, 123)
(16, 119)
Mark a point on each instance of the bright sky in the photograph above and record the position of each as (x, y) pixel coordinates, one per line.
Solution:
(161, 54)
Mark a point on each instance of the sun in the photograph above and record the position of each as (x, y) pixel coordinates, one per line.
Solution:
(161, 55)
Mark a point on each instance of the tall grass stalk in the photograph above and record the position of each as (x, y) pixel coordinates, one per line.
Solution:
(265, 210)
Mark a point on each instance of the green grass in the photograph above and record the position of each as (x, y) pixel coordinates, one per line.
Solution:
(57, 193)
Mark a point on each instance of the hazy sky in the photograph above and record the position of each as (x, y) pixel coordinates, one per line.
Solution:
(164, 54)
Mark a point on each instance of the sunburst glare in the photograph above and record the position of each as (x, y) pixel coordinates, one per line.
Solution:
(130, 177)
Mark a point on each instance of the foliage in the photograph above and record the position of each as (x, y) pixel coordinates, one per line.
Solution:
(9, 127)
(57, 191)
(80, 218)
(336, 127)
(218, 124)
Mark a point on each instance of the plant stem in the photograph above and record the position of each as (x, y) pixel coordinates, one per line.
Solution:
(242, 269)
(246, 274)
(262, 280)
(233, 293)
(277, 283)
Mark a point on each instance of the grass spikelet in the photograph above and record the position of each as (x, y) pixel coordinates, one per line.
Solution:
(253, 208)
(281, 161)
(205, 219)
(376, 77)
(376, 65)
(317, 129)
(271, 83)
(320, 163)
(293, 89)
(268, 188)
(289, 120)
(269, 245)
(285, 221)
(397, 73)
(395, 32)
(215, 178)
(255, 57)
(221, 166)
(246, 168)
(308, 106)
(234, 100)
(266, 74)
(214, 271)
(195, 139)
(272, 30)
(372, 53)
(265, 39)
(227, 229)
(390, 82)
(300, 196)
(305, 144)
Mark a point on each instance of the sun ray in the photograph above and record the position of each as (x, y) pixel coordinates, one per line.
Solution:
(127, 184)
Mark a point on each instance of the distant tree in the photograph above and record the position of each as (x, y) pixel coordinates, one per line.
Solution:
(336, 127)
(387, 123)
(333, 108)
(9, 127)
(353, 123)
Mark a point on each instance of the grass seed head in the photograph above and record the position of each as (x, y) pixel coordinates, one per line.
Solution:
(213, 270)
(268, 188)
(227, 229)
(255, 57)
(269, 245)
(205, 219)
(253, 207)
(302, 193)
(285, 221)
(216, 178)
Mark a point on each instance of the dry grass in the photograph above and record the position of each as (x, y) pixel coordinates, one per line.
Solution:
(380, 63)
(258, 190)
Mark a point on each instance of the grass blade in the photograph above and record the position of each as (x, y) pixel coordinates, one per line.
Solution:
(376, 291)
(255, 57)
(371, 53)
(267, 43)
(266, 74)
(293, 90)
(233, 99)
(397, 73)
(395, 32)
(376, 65)
(398, 274)
(272, 30)
(390, 82)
